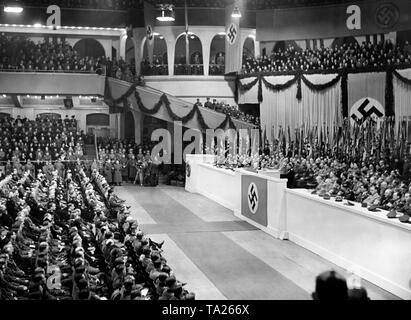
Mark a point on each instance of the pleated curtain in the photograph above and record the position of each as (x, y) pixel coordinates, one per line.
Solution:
(250, 96)
(282, 108)
(402, 97)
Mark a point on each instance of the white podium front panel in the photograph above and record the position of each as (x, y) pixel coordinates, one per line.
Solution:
(353, 238)
(377, 248)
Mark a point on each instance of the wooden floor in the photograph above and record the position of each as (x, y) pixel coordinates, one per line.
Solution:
(221, 257)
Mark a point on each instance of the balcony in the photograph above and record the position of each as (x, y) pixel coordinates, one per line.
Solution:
(188, 69)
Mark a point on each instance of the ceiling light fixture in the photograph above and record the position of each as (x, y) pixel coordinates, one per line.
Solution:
(13, 7)
(167, 13)
(236, 12)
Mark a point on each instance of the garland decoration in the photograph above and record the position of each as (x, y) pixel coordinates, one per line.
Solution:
(299, 76)
(115, 107)
(260, 90)
(389, 93)
(299, 91)
(402, 78)
(344, 94)
(248, 86)
(279, 87)
(320, 87)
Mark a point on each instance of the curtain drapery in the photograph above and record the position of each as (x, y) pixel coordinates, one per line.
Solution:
(248, 90)
(316, 108)
(402, 96)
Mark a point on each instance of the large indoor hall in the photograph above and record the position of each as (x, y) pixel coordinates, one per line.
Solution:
(205, 158)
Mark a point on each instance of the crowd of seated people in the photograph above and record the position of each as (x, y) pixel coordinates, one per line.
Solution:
(20, 53)
(125, 161)
(41, 140)
(232, 111)
(121, 69)
(380, 184)
(346, 56)
(69, 237)
(156, 68)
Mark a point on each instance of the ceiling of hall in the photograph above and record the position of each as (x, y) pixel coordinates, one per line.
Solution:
(135, 4)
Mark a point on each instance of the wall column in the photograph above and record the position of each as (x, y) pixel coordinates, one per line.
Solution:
(139, 40)
(171, 48)
(138, 126)
(123, 40)
(206, 47)
(257, 51)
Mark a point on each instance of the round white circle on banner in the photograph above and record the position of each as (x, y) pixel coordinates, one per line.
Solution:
(252, 197)
(232, 33)
(365, 108)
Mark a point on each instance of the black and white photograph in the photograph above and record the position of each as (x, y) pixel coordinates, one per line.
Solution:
(222, 155)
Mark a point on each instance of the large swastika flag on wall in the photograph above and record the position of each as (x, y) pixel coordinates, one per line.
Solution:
(366, 95)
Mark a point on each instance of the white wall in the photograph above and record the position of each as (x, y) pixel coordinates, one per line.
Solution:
(189, 88)
(51, 83)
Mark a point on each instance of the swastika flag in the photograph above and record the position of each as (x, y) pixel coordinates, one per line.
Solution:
(366, 95)
(232, 42)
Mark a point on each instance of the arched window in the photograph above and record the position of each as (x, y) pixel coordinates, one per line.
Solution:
(155, 57)
(195, 55)
(89, 48)
(248, 49)
(217, 55)
(91, 51)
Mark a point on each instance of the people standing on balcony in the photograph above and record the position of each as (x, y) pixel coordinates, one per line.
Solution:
(198, 103)
(208, 104)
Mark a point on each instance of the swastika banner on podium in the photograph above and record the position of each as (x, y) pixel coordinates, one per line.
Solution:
(254, 198)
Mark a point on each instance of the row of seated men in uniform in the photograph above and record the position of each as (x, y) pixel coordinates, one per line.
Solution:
(376, 184)
(40, 139)
(71, 237)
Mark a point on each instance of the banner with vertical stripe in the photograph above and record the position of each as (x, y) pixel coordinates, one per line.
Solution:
(233, 41)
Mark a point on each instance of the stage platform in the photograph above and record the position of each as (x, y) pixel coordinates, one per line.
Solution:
(369, 243)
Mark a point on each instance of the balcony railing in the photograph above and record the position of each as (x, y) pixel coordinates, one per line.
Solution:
(217, 69)
(155, 70)
(99, 71)
(188, 69)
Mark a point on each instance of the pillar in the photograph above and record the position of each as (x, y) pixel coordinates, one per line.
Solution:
(206, 47)
(257, 52)
(139, 40)
(171, 48)
(122, 49)
(138, 126)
